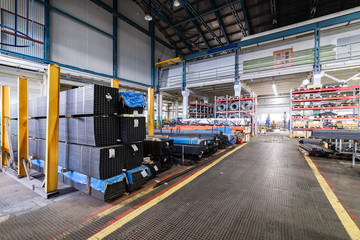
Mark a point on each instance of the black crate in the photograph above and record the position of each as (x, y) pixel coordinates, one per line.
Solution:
(137, 181)
(158, 148)
(134, 155)
(132, 129)
(91, 161)
(92, 131)
(97, 162)
(93, 99)
(166, 161)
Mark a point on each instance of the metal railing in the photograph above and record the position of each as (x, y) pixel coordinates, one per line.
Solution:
(330, 54)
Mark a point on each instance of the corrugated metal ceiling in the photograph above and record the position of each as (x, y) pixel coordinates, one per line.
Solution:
(232, 20)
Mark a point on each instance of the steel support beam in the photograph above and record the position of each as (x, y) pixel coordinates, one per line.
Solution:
(221, 25)
(130, 22)
(207, 13)
(152, 54)
(197, 28)
(47, 30)
(236, 80)
(167, 21)
(278, 35)
(188, 6)
(243, 8)
(68, 66)
(151, 111)
(23, 132)
(317, 66)
(237, 18)
(52, 129)
(5, 113)
(115, 40)
(273, 11)
(313, 8)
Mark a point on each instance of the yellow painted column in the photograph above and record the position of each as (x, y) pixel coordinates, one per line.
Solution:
(23, 133)
(5, 112)
(115, 83)
(151, 111)
(52, 129)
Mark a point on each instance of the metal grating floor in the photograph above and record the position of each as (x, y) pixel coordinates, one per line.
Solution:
(265, 190)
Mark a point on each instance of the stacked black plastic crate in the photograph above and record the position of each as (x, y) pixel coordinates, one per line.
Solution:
(132, 134)
(160, 151)
(89, 139)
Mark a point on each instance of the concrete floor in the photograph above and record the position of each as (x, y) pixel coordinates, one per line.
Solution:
(265, 190)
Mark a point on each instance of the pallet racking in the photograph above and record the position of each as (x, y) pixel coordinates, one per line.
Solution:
(324, 107)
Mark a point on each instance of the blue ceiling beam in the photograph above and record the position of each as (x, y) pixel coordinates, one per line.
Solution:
(278, 35)
(243, 8)
(219, 22)
(207, 13)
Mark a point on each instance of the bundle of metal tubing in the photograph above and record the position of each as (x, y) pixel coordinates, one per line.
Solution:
(336, 134)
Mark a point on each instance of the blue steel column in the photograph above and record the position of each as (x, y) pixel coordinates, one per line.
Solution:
(236, 66)
(47, 31)
(184, 75)
(317, 67)
(115, 40)
(152, 35)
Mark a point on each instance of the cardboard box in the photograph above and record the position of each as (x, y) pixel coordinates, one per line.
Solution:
(299, 124)
(315, 124)
(299, 134)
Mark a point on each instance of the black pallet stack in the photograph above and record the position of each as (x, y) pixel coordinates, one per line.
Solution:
(89, 138)
(160, 152)
(132, 134)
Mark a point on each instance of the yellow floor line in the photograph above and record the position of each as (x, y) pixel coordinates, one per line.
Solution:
(107, 211)
(104, 213)
(113, 227)
(344, 217)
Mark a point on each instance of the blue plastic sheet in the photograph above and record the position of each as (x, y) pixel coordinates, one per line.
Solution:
(133, 99)
(184, 140)
(41, 163)
(98, 185)
(138, 169)
(225, 130)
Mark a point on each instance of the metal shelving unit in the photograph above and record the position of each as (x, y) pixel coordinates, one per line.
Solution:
(201, 110)
(239, 113)
(308, 106)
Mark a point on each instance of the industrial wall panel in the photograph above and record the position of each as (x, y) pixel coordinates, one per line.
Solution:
(134, 54)
(34, 29)
(87, 11)
(75, 44)
(132, 11)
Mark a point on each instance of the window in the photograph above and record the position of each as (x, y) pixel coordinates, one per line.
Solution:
(283, 58)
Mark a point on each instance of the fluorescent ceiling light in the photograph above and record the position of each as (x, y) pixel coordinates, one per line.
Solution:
(148, 17)
(176, 3)
(274, 89)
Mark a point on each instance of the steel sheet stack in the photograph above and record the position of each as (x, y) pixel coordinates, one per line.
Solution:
(160, 151)
(89, 136)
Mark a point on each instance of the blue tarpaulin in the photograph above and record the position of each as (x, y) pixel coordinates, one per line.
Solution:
(188, 140)
(133, 99)
(98, 185)
(138, 169)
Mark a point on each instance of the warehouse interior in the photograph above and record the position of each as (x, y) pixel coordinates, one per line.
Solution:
(180, 119)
